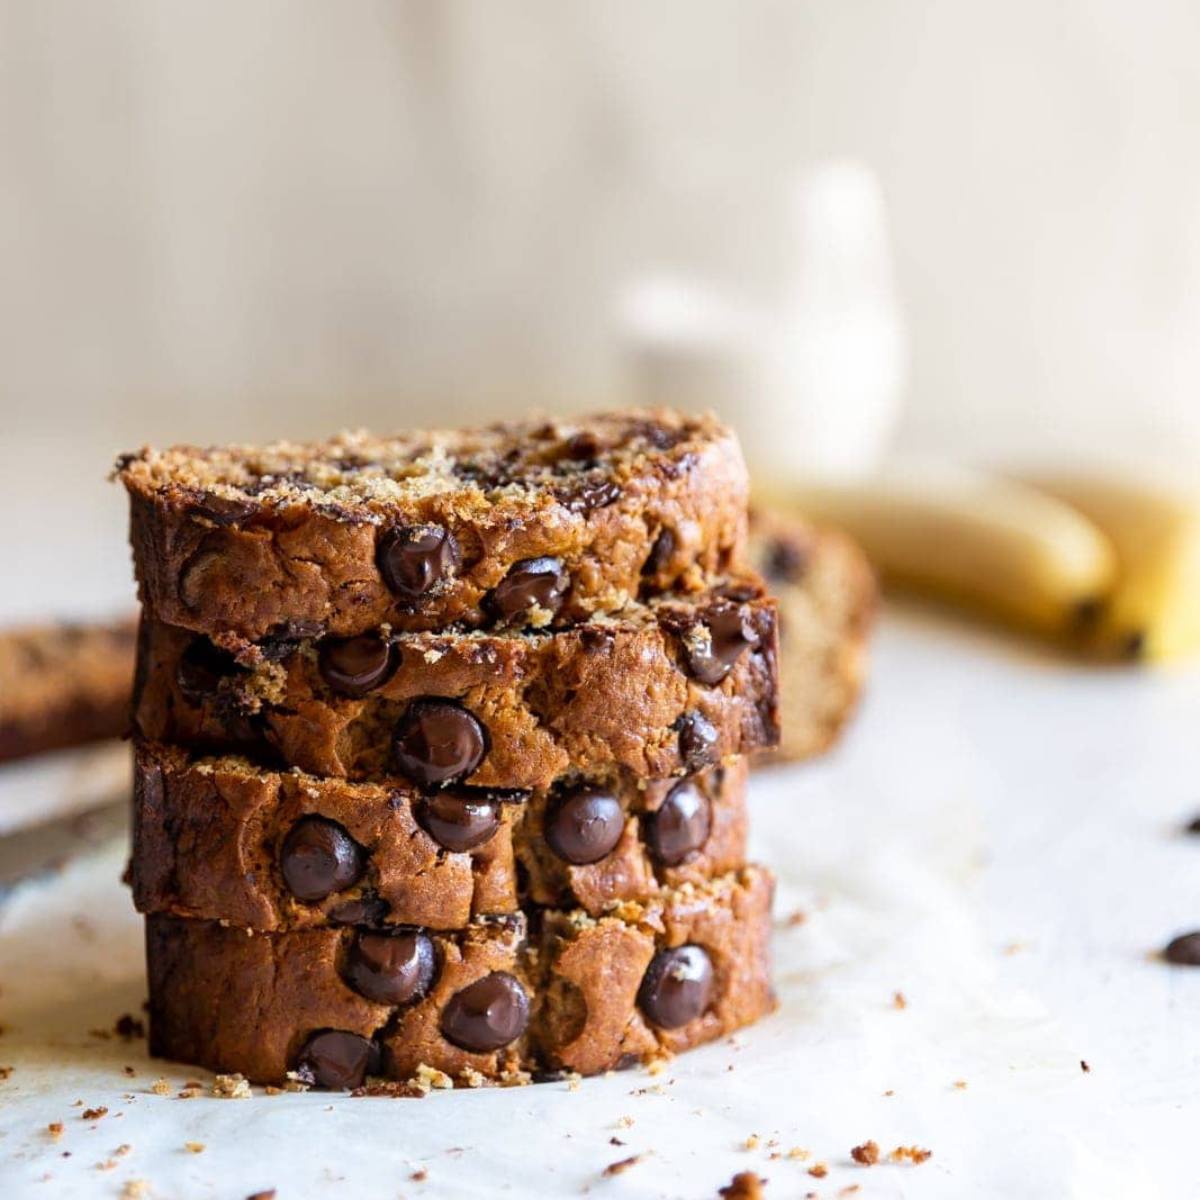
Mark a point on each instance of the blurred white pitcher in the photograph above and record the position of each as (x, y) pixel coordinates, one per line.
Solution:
(814, 382)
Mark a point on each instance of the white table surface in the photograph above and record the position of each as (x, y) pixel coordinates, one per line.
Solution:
(999, 839)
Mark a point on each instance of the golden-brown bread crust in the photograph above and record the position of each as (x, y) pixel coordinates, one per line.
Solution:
(64, 684)
(244, 1002)
(248, 542)
(208, 836)
(615, 693)
(827, 598)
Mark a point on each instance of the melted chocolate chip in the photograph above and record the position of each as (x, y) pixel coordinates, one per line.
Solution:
(487, 1014)
(677, 986)
(1184, 951)
(680, 825)
(532, 583)
(200, 670)
(391, 968)
(336, 1059)
(729, 634)
(459, 821)
(438, 741)
(355, 666)
(583, 826)
(413, 560)
(786, 561)
(365, 910)
(221, 510)
(697, 740)
(589, 494)
(583, 445)
(319, 858)
(660, 553)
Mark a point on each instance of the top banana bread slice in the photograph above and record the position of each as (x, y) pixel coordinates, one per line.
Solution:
(521, 525)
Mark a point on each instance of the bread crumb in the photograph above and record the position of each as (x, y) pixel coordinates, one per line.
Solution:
(745, 1185)
(56, 1129)
(624, 1122)
(160, 1087)
(128, 1071)
(129, 1027)
(866, 1154)
(656, 1066)
(621, 1165)
(135, 1189)
(960, 1085)
(419, 1175)
(751, 1143)
(1085, 1066)
(194, 1147)
(272, 1090)
(188, 1093)
(472, 1078)
(231, 1087)
(93, 1114)
(799, 1153)
(5, 1072)
(818, 1170)
(849, 1190)
(427, 1078)
(912, 1154)
(890, 1092)
(267, 1194)
(794, 919)
(899, 1001)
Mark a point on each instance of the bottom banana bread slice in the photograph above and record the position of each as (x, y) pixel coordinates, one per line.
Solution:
(497, 1002)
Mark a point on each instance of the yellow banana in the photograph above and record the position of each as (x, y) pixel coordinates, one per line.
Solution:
(980, 541)
(1153, 613)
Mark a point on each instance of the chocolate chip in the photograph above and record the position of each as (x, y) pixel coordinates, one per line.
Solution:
(660, 553)
(200, 669)
(588, 494)
(337, 1059)
(1193, 826)
(532, 583)
(786, 560)
(391, 968)
(697, 740)
(1184, 951)
(680, 825)
(364, 910)
(583, 445)
(714, 646)
(221, 510)
(458, 820)
(487, 1014)
(437, 741)
(355, 666)
(583, 826)
(414, 559)
(677, 986)
(319, 858)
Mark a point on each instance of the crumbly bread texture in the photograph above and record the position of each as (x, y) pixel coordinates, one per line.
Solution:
(601, 993)
(827, 598)
(64, 685)
(211, 841)
(419, 531)
(639, 691)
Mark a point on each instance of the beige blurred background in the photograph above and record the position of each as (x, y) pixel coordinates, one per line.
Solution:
(227, 220)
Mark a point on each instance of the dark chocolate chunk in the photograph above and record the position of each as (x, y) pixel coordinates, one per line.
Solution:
(221, 510)
(584, 825)
(487, 1014)
(680, 825)
(786, 561)
(336, 1059)
(532, 583)
(200, 670)
(319, 858)
(413, 560)
(713, 647)
(697, 740)
(365, 910)
(660, 553)
(355, 666)
(391, 968)
(1184, 951)
(582, 445)
(458, 820)
(1193, 826)
(588, 494)
(677, 986)
(438, 741)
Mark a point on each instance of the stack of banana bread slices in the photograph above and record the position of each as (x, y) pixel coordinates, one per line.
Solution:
(441, 748)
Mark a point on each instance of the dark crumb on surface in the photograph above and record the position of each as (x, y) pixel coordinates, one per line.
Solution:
(1085, 1066)
(419, 1175)
(56, 1129)
(129, 1027)
(794, 919)
(5, 1072)
(269, 1194)
(867, 1154)
(1193, 826)
(745, 1185)
(1184, 951)
(818, 1170)
(93, 1114)
(616, 1141)
(393, 1088)
(621, 1165)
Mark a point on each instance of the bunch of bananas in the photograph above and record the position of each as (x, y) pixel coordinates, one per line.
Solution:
(1107, 565)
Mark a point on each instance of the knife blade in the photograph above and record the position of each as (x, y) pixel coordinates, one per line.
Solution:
(48, 846)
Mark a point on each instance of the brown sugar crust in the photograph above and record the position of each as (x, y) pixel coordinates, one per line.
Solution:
(247, 541)
(235, 1001)
(616, 693)
(64, 685)
(208, 836)
(827, 599)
